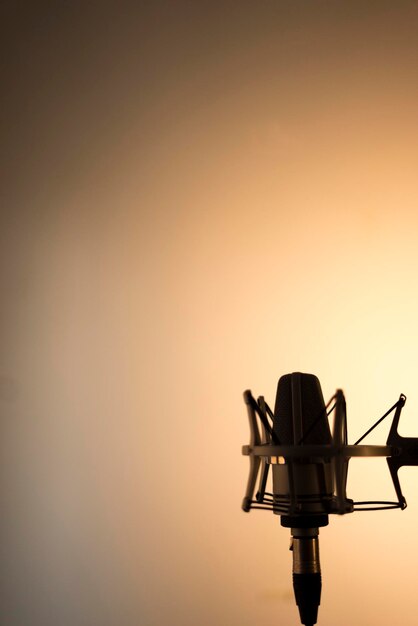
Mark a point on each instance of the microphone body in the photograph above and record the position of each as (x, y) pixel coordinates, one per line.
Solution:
(306, 484)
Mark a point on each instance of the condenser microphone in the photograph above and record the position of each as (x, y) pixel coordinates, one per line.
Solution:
(309, 468)
(300, 419)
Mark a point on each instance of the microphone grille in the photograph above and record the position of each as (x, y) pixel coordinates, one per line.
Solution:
(300, 412)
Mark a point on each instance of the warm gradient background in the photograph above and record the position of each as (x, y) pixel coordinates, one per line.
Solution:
(198, 197)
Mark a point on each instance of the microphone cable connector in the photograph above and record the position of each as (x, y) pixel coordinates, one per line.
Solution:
(306, 573)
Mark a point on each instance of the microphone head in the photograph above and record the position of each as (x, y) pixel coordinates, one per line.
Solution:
(299, 412)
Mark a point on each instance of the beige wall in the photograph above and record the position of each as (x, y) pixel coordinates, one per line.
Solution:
(196, 200)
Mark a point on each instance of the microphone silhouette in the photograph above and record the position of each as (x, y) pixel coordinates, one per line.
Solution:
(300, 419)
(309, 466)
